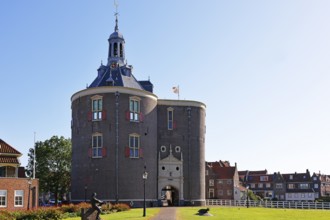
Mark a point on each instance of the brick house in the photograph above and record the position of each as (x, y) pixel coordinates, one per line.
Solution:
(222, 181)
(16, 191)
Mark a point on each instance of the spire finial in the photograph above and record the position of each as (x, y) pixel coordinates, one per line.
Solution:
(116, 14)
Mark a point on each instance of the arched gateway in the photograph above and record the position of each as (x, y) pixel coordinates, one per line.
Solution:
(170, 179)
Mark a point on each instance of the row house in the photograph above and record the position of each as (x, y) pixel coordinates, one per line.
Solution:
(300, 187)
(222, 181)
(289, 187)
(321, 184)
(16, 191)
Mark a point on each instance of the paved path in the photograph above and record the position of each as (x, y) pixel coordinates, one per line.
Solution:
(166, 213)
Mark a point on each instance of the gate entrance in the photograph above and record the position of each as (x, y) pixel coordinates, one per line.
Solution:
(169, 196)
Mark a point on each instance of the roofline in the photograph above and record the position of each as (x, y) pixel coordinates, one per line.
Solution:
(113, 89)
(181, 103)
(11, 154)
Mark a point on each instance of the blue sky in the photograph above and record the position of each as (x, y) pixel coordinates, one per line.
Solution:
(261, 67)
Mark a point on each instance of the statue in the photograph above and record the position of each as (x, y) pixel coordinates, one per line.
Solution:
(95, 205)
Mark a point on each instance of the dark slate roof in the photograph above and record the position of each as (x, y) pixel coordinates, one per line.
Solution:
(119, 76)
(7, 149)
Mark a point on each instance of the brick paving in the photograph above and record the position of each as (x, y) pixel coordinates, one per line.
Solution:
(166, 213)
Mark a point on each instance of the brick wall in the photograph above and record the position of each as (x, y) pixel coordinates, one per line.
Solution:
(12, 184)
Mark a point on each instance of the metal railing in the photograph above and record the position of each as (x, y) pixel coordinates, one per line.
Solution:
(270, 204)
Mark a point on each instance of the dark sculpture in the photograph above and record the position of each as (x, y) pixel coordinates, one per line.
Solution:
(95, 205)
(203, 211)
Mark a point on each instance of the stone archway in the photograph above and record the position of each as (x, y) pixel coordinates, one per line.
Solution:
(170, 196)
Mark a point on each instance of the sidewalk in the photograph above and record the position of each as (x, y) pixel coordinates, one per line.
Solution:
(166, 213)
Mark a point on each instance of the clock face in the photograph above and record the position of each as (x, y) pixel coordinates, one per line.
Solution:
(113, 65)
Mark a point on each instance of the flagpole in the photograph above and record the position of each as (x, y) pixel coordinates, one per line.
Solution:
(34, 156)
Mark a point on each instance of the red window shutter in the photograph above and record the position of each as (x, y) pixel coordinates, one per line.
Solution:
(89, 116)
(140, 152)
(126, 151)
(127, 115)
(141, 116)
(104, 115)
(89, 152)
(104, 152)
(174, 124)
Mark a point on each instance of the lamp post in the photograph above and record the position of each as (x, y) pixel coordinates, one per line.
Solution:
(29, 182)
(144, 177)
(247, 197)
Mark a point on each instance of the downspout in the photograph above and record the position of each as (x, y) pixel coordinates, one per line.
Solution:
(117, 147)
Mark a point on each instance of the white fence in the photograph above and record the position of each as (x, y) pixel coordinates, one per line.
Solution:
(269, 204)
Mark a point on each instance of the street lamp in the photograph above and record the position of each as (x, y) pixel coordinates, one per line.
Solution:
(144, 177)
(29, 182)
(247, 197)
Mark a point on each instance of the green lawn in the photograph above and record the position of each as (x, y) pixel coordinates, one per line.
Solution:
(224, 213)
(254, 214)
(133, 214)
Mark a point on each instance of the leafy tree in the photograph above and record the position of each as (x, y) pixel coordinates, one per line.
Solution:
(53, 165)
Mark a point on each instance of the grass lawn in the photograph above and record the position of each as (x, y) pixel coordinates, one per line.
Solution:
(227, 213)
(224, 213)
(133, 214)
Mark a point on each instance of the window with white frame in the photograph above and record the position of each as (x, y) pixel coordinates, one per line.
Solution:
(304, 186)
(316, 186)
(290, 186)
(134, 145)
(19, 195)
(253, 185)
(97, 108)
(267, 185)
(260, 185)
(220, 181)
(211, 193)
(263, 178)
(211, 182)
(97, 144)
(206, 172)
(229, 192)
(170, 115)
(134, 109)
(3, 198)
(278, 185)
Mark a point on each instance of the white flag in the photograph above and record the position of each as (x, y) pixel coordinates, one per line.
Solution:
(175, 89)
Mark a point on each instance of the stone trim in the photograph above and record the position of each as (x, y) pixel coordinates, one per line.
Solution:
(184, 103)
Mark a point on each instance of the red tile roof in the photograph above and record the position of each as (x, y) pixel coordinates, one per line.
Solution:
(7, 149)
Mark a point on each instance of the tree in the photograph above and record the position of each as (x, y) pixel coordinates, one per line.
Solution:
(53, 165)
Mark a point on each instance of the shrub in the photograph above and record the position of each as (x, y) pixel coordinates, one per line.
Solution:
(5, 215)
(120, 207)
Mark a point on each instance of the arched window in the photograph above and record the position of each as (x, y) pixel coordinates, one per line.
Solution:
(110, 49)
(121, 50)
(115, 49)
